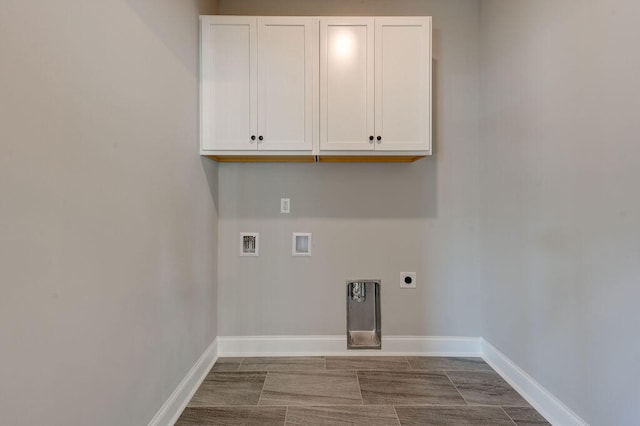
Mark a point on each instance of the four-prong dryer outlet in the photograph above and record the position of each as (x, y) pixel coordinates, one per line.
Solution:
(407, 280)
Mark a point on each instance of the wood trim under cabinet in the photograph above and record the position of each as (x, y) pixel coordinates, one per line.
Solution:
(312, 159)
(369, 159)
(263, 158)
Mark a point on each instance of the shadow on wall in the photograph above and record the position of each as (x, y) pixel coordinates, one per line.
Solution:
(376, 190)
(211, 172)
(327, 190)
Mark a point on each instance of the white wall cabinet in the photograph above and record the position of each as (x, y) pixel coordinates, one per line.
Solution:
(306, 89)
(375, 85)
(257, 85)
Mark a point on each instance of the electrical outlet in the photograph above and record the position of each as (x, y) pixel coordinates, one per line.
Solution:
(407, 280)
(285, 205)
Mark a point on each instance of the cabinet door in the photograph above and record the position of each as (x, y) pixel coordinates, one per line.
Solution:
(346, 83)
(229, 83)
(286, 48)
(403, 84)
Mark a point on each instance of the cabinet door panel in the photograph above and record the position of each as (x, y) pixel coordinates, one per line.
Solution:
(229, 84)
(285, 83)
(403, 84)
(346, 83)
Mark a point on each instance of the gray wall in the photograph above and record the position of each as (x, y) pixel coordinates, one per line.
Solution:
(108, 224)
(560, 211)
(367, 220)
(109, 218)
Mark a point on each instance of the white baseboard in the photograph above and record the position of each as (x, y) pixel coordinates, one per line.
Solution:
(245, 346)
(173, 407)
(337, 345)
(540, 398)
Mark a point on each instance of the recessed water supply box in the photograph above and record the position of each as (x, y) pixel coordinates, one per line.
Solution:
(363, 314)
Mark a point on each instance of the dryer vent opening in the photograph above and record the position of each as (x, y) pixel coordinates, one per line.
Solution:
(363, 314)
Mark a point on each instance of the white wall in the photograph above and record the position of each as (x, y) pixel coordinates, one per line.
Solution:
(560, 211)
(108, 219)
(367, 220)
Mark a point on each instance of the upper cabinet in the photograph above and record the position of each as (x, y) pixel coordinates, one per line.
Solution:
(346, 83)
(375, 85)
(257, 86)
(305, 89)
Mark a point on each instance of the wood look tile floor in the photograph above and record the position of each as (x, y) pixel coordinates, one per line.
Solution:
(356, 390)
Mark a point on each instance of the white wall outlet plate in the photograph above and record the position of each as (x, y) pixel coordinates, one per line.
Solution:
(407, 280)
(285, 205)
(301, 244)
(249, 244)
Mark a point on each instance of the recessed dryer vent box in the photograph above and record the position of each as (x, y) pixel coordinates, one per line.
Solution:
(363, 315)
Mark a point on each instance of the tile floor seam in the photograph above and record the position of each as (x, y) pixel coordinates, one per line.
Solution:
(415, 404)
(406, 359)
(397, 416)
(359, 387)
(262, 390)
(236, 406)
(510, 418)
(457, 390)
